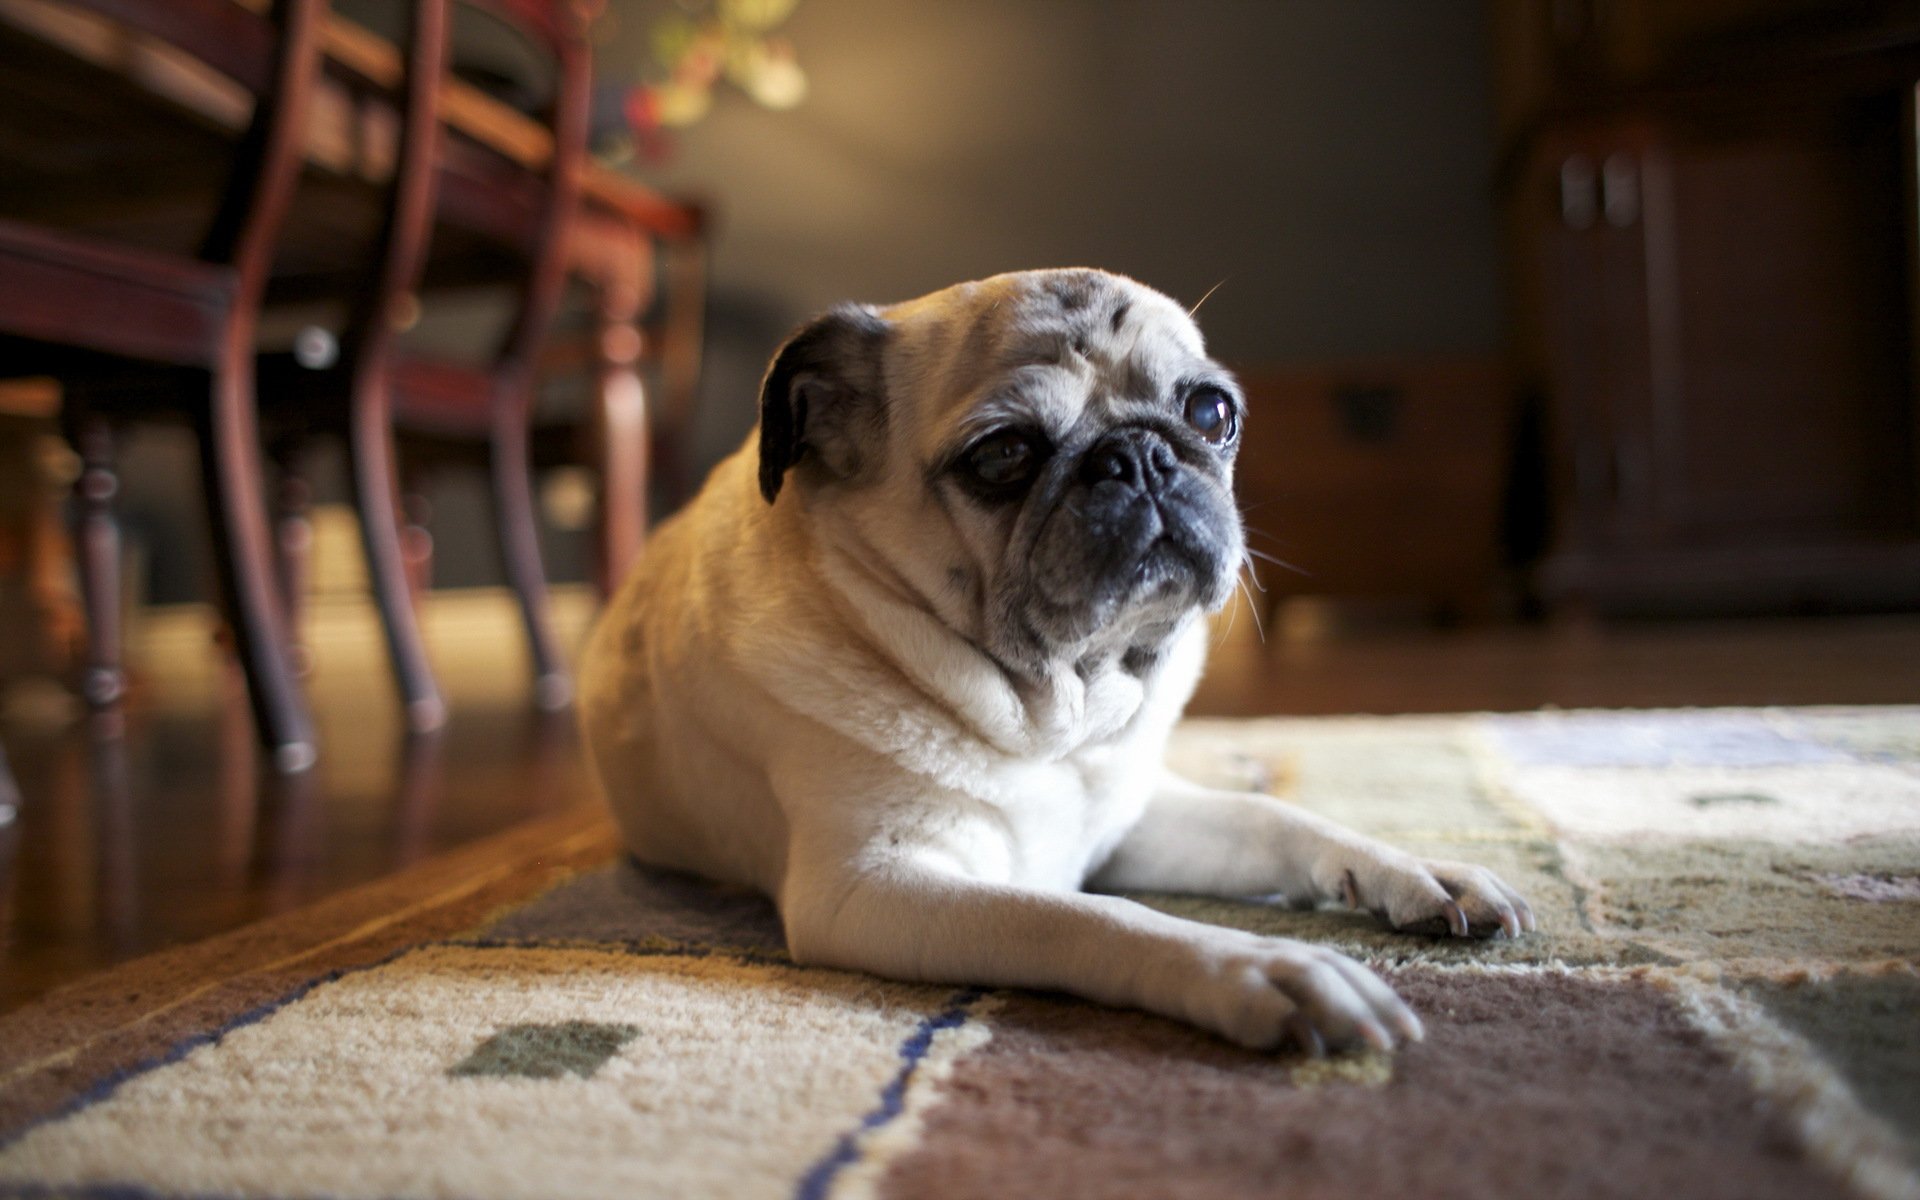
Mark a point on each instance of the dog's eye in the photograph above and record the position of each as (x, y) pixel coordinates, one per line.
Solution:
(1210, 413)
(1004, 459)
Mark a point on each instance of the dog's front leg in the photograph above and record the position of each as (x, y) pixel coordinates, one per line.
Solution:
(913, 915)
(1200, 840)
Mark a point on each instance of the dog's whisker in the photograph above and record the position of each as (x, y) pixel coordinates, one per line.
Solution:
(1263, 556)
(1204, 299)
(1220, 639)
(1272, 537)
(1253, 610)
(1276, 539)
(1252, 571)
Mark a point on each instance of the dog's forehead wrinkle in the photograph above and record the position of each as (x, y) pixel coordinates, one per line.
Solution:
(953, 344)
(1043, 342)
(1074, 292)
(1044, 398)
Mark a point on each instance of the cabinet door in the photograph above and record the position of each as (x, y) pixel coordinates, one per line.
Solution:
(1779, 409)
(1592, 255)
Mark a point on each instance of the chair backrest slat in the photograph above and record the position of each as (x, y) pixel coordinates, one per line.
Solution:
(274, 55)
(553, 23)
(233, 39)
(266, 165)
(558, 27)
(411, 195)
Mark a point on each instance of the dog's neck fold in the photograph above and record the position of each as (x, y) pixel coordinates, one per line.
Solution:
(1045, 716)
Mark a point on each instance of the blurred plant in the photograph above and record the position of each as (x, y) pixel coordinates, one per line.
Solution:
(699, 46)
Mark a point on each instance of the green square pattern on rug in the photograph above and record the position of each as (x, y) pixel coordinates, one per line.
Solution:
(546, 1051)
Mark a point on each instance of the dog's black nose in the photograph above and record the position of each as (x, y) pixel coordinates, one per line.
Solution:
(1136, 458)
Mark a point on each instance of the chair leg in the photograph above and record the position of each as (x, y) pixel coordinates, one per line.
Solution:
(621, 432)
(512, 468)
(376, 491)
(243, 547)
(103, 677)
(293, 539)
(416, 532)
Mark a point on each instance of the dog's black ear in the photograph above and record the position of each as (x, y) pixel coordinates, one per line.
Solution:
(823, 397)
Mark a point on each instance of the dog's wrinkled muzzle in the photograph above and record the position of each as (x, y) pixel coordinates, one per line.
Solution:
(1137, 526)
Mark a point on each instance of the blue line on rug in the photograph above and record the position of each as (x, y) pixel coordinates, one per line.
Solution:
(819, 1178)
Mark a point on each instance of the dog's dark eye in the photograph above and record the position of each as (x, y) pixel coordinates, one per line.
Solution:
(1005, 459)
(1210, 413)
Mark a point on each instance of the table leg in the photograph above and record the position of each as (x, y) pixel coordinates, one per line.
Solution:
(620, 427)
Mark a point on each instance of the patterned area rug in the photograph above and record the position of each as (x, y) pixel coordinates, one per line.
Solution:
(1724, 1003)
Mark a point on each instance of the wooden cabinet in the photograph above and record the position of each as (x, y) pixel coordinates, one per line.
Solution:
(1378, 478)
(1717, 294)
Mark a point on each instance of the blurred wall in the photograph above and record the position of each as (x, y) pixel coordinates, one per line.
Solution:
(1329, 160)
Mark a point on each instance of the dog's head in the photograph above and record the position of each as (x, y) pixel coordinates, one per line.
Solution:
(1043, 459)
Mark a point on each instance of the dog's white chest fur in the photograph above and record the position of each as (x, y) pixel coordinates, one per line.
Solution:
(1062, 825)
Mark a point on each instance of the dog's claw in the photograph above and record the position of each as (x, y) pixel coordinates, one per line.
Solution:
(1437, 899)
(1408, 1022)
(1375, 1035)
(1308, 1038)
(1528, 922)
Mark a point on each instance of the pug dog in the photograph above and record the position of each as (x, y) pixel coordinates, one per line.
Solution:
(909, 662)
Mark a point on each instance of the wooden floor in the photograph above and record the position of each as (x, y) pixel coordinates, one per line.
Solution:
(174, 831)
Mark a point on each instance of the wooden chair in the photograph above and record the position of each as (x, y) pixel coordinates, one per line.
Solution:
(344, 386)
(492, 409)
(674, 349)
(656, 445)
(445, 409)
(639, 342)
(134, 334)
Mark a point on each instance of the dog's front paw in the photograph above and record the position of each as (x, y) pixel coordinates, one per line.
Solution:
(1436, 897)
(1266, 992)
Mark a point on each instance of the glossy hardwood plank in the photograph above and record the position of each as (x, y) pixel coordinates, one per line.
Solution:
(181, 829)
(1316, 658)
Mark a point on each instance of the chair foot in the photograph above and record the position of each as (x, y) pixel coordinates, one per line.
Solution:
(426, 715)
(552, 692)
(291, 758)
(103, 687)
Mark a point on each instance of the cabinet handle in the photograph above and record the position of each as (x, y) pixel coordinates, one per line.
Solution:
(1578, 206)
(1620, 190)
